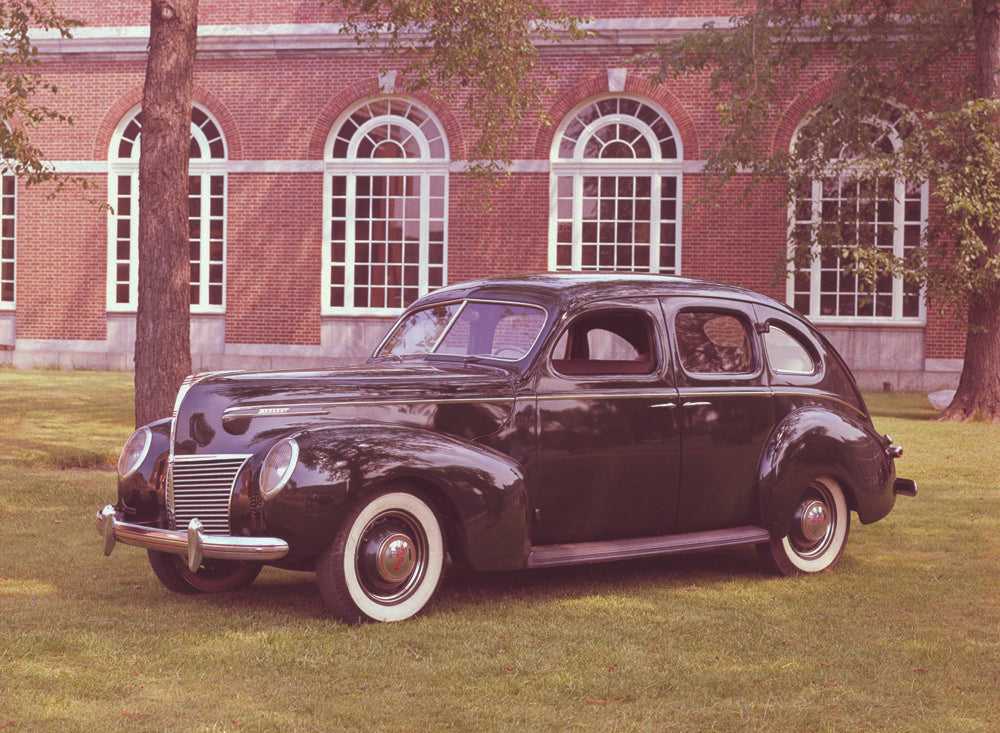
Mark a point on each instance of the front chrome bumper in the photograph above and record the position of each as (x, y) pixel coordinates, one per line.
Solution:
(192, 542)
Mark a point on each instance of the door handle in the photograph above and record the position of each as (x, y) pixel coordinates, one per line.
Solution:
(697, 404)
(669, 405)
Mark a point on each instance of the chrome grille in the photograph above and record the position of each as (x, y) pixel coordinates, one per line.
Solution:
(201, 486)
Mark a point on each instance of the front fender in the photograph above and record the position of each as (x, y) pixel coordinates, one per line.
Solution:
(477, 490)
(812, 442)
(140, 496)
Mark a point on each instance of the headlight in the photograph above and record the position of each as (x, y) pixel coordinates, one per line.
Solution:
(278, 466)
(134, 452)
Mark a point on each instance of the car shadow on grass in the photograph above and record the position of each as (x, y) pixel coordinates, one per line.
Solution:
(294, 594)
(677, 571)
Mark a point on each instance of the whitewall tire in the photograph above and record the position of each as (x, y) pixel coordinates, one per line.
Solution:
(818, 535)
(386, 561)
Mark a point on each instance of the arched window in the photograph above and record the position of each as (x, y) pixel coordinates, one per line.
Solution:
(616, 189)
(386, 206)
(8, 237)
(206, 206)
(857, 210)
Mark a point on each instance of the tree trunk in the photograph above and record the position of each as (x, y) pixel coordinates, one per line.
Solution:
(163, 329)
(978, 394)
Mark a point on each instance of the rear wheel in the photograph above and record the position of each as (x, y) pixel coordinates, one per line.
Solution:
(818, 534)
(386, 560)
(212, 576)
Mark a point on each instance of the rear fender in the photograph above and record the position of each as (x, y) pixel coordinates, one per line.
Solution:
(477, 490)
(812, 442)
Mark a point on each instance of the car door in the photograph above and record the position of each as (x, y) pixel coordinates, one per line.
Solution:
(608, 444)
(725, 409)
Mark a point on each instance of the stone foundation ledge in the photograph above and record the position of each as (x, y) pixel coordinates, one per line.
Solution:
(926, 381)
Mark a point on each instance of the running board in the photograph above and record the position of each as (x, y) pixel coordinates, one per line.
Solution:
(581, 553)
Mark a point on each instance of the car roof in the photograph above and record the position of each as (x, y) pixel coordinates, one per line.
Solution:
(563, 289)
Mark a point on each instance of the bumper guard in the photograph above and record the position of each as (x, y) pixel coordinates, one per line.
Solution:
(904, 487)
(192, 542)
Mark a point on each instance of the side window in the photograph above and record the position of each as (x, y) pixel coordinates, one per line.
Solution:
(607, 343)
(786, 354)
(710, 342)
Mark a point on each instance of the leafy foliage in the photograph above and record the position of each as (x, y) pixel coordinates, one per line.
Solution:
(22, 85)
(964, 150)
(483, 52)
(896, 106)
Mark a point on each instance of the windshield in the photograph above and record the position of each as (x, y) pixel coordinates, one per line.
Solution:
(494, 330)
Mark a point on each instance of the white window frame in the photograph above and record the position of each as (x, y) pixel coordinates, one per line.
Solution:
(205, 168)
(578, 167)
(424, 167)
(815, 276)
(11, 304)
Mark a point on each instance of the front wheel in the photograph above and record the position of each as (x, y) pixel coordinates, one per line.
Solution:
(818, 535)
(386, 560)
(212, 576)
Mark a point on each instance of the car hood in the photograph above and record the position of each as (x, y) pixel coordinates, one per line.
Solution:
(245, 412)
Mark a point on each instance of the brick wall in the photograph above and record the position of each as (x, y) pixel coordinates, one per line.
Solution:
(945, 335)
(509, 237)
(61, 265)
(731, 240)
(281, 107)
(274, 253)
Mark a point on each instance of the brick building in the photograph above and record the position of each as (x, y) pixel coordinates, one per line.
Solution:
(322, 200)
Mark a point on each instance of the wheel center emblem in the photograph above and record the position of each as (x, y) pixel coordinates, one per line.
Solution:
(395, 558)
(814, 520)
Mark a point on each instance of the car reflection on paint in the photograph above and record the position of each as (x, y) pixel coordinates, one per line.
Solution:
(514, 423)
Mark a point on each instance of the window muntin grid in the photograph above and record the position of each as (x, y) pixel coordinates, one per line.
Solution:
(387, 194)
(889, 215)
(389, 128)
(617, 127)
(616, 188)
(207, 183)
(8, 238)
(207, 238)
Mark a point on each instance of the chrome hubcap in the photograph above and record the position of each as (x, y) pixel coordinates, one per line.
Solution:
(395, 558)
(392, 557)
(815, 523)
(814, 520)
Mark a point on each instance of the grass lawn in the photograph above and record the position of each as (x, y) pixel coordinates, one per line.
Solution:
(903, 635)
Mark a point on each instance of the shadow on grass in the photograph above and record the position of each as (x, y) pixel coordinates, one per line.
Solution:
(294, 594)
(669, 571)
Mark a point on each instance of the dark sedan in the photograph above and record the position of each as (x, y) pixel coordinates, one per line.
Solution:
(514, 423)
